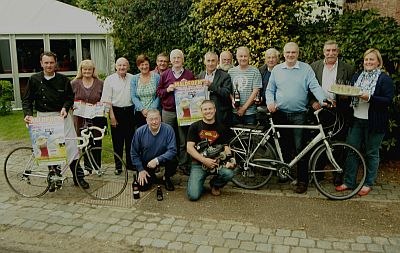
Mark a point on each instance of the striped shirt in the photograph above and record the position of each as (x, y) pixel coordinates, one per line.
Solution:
(246, 81)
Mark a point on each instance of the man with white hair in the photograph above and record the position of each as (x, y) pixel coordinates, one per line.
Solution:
(165, 91)
(117, 93)
(287, 98)
(225, 61)
(271, 60)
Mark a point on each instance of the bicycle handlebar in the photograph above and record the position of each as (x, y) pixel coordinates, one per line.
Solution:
(85, 136)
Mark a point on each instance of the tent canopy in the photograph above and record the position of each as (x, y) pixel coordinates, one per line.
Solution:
(47, 17)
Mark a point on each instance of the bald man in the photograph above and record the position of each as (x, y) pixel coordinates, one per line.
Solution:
(117, 93)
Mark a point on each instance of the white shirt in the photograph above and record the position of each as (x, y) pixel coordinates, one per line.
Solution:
(117, 90)
(329, 78)
(211, 76)
(178, 73)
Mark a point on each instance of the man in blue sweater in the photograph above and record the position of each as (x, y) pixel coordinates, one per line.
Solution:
(287, 97)
(154, 145)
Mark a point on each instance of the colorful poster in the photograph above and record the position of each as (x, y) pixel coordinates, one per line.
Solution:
(188, 97)
(48, 140)
(88, 110)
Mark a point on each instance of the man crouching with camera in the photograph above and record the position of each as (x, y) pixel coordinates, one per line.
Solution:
(207, 143)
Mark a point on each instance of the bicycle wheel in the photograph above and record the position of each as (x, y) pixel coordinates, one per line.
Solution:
(104, 183)
(24, 175)
(326, 177)
(252, 177)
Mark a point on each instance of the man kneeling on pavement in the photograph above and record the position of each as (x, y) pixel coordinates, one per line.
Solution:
(216, 135)
(154, 146)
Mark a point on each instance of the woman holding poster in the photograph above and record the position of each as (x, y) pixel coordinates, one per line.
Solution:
(88, 111)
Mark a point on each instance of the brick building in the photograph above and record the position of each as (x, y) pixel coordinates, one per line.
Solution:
(389, 8)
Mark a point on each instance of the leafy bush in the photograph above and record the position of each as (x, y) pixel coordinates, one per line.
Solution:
(6, 96)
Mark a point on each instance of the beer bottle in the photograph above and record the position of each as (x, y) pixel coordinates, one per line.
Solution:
(257, 99)
(236, 95)
(159, 193)
(135, 189)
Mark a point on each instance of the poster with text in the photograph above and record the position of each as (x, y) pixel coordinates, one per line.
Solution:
(48, 140)
(188, 97)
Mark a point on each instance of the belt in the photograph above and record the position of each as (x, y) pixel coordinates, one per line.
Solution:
(292, 113)
(131, 107)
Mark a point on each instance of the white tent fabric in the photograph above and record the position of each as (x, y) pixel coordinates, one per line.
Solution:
(46, 17)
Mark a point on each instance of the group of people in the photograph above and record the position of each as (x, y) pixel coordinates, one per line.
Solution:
(144, 122)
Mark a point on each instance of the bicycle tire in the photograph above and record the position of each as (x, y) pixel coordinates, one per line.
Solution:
(24, 176)
(326, 178)
(254, 177)
(104, 184)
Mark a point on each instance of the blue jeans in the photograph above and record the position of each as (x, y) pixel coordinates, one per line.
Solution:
(292, 140)
(359, 135)
(245, 119)
(198, 176)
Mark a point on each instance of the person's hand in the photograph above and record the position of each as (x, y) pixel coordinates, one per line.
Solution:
(63, 113)
(206, 82)
(259, 101)
(316, 105)
(272, 107)
(28, 120)
(144, 112)
(241, 111)
(231, 164)
(170, 88)
(113, 121)
(364, 96)
(329, 103)
(210, 163)
(142, 178)
(152, 164)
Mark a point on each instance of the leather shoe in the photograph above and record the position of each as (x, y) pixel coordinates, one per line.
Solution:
(342, 187)
(83, 184)
(364, 191)
(300, 188)
(169, 186)
(215, 191)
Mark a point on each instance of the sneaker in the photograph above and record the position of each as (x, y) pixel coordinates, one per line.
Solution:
(118, 172)
(83, 184)
(52, 187)
(364, 191)
(169, 186)
(300, 188)
(215, 191)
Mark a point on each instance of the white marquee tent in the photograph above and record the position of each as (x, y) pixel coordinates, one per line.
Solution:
(29, 27)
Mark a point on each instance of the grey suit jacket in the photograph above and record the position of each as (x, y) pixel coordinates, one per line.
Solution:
(220, 91)
(344, 71)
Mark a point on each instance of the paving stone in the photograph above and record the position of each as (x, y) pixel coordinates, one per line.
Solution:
(357, 247)
(282, 232)
(28, 224)
(299, 234)
(392, 248)
(90, 234)
(39, 225)
(380, 240)
(145, 241)
(316, 251)
(116, 237)
(103, 236)
(170, 236)
(324, 244)
(114, 228)
(260, 238)
(141, 233)
(231, 244)
(214, 233)
(199, 239)
(126, 230)
(245, 236)
(181, 223)
(204, 249)
(78, 231)
(141, 218)
(364, 239)
(220, 250)
(375, 248)
(275, 239)
(239, 251)
(252, 230)
(394, 241)
(175, 246)
(216, 241)
(267, 231)
(341, 245)
(223, 227)
(17, 221)
(154, 219)
(298, 250)
(238, 228)
(291, 241)
(247, 245)
(307, 243)
(189, 247)
(167, 221)
(184, 238)
(155, 234)
(150, 226)
(66, 229)
(209, 226)
(264, 247)
(138, 224)
(131, 240)
(280, 248)
(163, 227)
(124, 223)
(230, 235)
(158, 243)
(200, 231)
(177, 229)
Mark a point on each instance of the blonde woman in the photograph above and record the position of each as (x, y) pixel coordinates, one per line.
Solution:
(370, 119)
(87, 89)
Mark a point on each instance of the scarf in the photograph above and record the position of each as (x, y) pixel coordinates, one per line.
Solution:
(367, 82)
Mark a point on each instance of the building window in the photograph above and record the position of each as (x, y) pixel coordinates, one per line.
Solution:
(66, 53)
(5, 57)
(28, 55)
(95, 50)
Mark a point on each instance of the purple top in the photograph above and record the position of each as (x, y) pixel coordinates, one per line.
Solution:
(167, 78)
